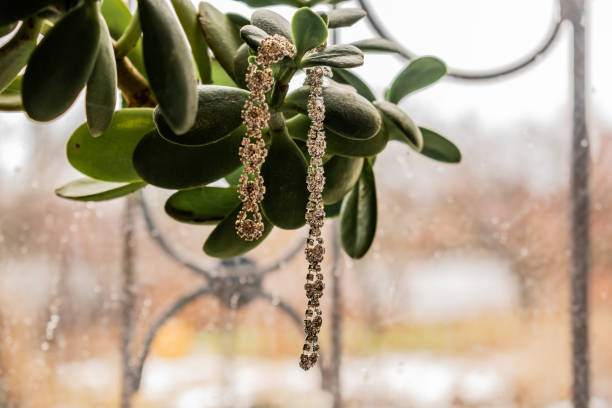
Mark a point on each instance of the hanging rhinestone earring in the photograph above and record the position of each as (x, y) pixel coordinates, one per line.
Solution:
(255, 116)
(315, 215)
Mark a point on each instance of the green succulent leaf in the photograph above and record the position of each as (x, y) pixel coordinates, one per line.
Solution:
(10, 98)
(220, 76)
(309, 31)
(378, 45)
(346, 112)
(358, 215)
(333, 210)
(284, 174)
(400, 125)
(168, 64)
(7, 29)
(86, 189)
(344, 17)
(14, 10)
(439, 148)
(223, 242)
(344, 76)
(170, 165)
(15, 53)
(418, 74)
(238, 19)
(61, 64)
(188, 17)
(338, 56)
(241, 64)
(341, 174)
(268, 3)
(203, 205)
(253, 36)
(219, 114)
(222, 36)
(272, 23)
(117, 16)
(339, 145)
(233, 179)
(101, 94)
(109, 156)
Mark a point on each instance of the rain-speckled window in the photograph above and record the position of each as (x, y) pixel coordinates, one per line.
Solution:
(488, 283)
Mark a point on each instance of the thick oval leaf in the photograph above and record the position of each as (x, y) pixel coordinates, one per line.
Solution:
(344, 76)
(219, 113)
(418, 74)
(220, 76)
(241, 64)
(61, 64)
(222, 36)
(86, 189)
(344, 17)
(204, 205)
(170, 165)
(284, 174)
(14, 10)
(439, 148)
(188, 16)
(339, 56)
(267, 3)
(400, 125)
(253, 35)
(7, 29)
(14, 54)
(272, 23)
(168, 64)
(109, 156)
(224, 243)
(378, 45)
(339, 145)
(101, 94)
(341, 174)
(238, 19)
(346, 112)
(333, 210)
(233, 179)
(10, 98)
(309, 31)
(358, 215)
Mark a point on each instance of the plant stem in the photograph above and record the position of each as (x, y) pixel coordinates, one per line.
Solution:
(276, 122)
(129, 38)
(133, 85)
(281, 88)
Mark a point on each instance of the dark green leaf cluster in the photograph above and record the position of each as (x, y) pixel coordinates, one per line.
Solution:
(183, 82)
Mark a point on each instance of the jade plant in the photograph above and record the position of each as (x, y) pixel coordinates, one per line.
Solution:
(180, 73)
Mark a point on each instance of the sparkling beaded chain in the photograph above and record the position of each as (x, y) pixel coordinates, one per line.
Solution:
(315, 215)
(255, 115)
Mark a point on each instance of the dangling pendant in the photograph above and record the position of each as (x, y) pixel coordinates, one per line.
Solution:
(255, 116)
(315, 215)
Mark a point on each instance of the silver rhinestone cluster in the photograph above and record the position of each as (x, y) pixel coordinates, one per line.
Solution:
(255, 116)
(315, 215)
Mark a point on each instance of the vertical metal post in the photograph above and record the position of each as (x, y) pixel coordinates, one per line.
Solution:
(574, 11)
(127, 301)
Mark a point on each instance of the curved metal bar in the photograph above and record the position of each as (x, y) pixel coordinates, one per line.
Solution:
(171, 311)
(282, 261)
(473, 75)
(163, 244)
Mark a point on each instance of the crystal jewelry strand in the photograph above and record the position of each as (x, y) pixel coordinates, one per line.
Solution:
(315, 215)
(255, 116)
